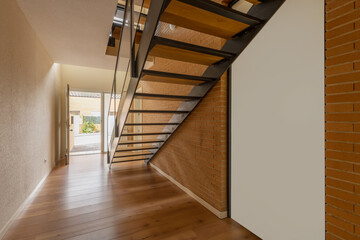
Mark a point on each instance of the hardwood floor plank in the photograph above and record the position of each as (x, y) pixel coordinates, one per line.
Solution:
(87, 201)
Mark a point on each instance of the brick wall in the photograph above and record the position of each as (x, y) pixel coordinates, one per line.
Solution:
(342, 119)
(195, 155)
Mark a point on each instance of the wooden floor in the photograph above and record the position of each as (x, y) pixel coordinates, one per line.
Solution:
(87, 201)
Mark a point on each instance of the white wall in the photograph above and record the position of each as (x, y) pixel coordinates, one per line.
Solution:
(278, 127)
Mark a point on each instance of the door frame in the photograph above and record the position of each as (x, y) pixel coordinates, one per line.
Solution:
(103, 118)
(67, 124)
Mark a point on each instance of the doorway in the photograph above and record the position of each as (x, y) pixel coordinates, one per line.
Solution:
(85, 122)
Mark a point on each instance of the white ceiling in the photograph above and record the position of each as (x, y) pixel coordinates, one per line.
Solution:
(73, 31)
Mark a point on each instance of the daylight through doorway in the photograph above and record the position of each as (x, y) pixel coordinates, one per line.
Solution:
(85, 123)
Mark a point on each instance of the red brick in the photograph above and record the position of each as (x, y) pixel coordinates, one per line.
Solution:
(340, 232)
(339, 88)
(340, 11)
(339, 127)
(349, 187)
(344, 68)
(357, 66)
(357, 148)
(344, 156)
(330, 236)
(348, 77)
(339, 108)
(340, 223)
(343, 117)
(336, 164)
(339, 146)
(343, 98)
(345, 58)
(347, 216)
(341, 50)
(349, 17)
(345, 176)
(336, 4)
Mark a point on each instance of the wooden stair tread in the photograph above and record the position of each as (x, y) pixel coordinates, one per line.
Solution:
(132, 155)
(150, 96)
(149, 124)
(135, 149)
(255, 2)
(144, 134)
(132, 160)
(180, 51)
(185, 14)
(117, 31)
(140, 142)
(158, 111)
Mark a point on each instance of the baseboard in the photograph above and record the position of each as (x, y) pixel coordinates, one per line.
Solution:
(218, 213)
(21, 208)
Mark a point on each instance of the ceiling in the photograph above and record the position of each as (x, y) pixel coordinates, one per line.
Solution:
(73, 32)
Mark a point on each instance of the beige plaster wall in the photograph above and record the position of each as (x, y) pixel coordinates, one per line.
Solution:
(28, 80)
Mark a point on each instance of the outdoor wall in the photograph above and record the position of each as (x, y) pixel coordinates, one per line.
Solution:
(28, 80)
(85, 79)
(342, 119)
(277, 127)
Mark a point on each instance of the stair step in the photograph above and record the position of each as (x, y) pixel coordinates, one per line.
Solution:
(156, 76)
(159, 111)
(207, 17)
(140, 142)
(150, 96)
(134, 155)
(233, 2)
(185, 52)
(149, 124)
(134, 160)
(136, 149)
(144, 134)
(117, 31)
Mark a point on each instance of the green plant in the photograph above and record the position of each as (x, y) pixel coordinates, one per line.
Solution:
(88, 127)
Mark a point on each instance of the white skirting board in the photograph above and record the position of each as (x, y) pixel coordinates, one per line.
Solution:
(21, 208)
(218, 213)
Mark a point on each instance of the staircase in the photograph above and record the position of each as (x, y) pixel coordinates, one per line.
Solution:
(134, 137)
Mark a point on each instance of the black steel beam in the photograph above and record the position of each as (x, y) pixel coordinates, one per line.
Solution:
(224, 11)
(191, 47)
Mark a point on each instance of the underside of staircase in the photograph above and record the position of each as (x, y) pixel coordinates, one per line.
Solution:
(141, 35)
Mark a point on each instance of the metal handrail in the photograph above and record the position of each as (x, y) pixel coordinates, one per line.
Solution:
(126, 31)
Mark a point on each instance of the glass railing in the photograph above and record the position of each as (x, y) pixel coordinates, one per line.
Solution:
(131, 21)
